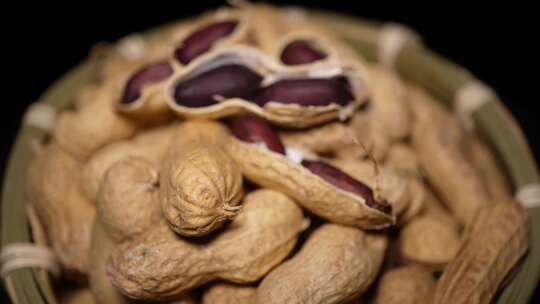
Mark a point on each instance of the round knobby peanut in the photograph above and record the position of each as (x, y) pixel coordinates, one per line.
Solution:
(129, 198)
(408, 284)
(160, 265)
(201, 186)
(335, 265)
(52, 189)
(227, 293)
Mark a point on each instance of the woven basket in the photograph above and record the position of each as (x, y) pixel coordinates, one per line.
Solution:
(414, 62)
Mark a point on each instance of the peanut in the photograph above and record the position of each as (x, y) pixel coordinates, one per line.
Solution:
(403, 157)
(129, 198)
(201, 185)
(150, 145)
(408, 284)
(94, 124)
(201, 40)
(52, 189)
(144, 76)
(330, 200)
(439, 141)
(227, 293)
(485, 163)
(226, 81)
(336, 264)
(77, 296)
(300, 52)
(492, 245)
(306, 92)
(160, 264)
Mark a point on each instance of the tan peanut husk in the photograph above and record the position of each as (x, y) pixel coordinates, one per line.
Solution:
(76, 296)
(493, 244)
(495, 180)
(403, 157)
(388, 107)
(403, 191)
(327, 139)
(228, 293)
(290, 115)
(336, 264)
(129, 200)
(405, 285)
(150, 145)
(159, 264)
(431, 238)
(440, 144)
(94, 124)
(67, 217)
(276, 171)
(369, 132)
(201, 186)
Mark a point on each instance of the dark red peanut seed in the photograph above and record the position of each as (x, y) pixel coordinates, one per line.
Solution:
(300, 52)
(151, 73)
(226, 81)
(253, 129)
(345, 182)
(307, 92)
(203, 39)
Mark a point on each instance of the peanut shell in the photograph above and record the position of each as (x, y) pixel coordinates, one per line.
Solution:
(276, 171)
(227, 293)
(160, 264)
(94, 124)
(129, 198)
(484, 161)
(291, 115)
(151, 145)
(67, 217)
(336, 264)
(201, 185)
(440, 143)
(493, 244)
(404, 285)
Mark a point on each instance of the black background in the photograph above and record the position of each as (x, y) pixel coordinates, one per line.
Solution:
(495, 42)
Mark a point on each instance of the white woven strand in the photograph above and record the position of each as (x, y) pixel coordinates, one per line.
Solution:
(391, 41)
(23, 255)
(469, 98)
(132, 47)
(41, 116)
(529, 195)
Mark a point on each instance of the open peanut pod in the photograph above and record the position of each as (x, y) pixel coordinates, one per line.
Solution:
(220, 153)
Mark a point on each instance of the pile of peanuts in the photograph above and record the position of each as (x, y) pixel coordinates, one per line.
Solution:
(247, 156)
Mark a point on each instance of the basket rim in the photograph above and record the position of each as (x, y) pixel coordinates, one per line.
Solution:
(24, 286)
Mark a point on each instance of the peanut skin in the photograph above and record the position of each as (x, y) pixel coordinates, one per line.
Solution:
(67, 217)
(159, 264)
(440, 144)
(405, 285)
(129, 198)
(227, 293)
(201, 185)
(335, 265)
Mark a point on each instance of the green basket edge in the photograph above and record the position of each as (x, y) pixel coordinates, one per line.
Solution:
(78, 76)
